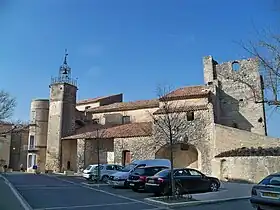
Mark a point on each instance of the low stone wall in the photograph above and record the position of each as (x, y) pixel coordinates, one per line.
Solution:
(227, 138)
(250, 169)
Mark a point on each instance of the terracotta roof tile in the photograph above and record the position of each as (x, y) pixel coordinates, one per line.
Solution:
(5, 127)
(120, 131)
(125, 106)
(181, 109)
(93, 100)
(187, 92)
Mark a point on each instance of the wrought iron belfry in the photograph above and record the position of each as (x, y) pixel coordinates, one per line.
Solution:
(64, 73)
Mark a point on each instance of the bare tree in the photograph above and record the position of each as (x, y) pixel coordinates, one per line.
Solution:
(175, 123)
(7, 105)
(267, 51)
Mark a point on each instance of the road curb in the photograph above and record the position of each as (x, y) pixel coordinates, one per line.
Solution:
(22, 201)
(193, 203)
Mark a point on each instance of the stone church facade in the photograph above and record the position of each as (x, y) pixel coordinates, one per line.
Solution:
(222, 113)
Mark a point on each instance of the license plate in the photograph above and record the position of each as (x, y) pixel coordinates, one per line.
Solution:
(131, 184)
(272, 195)
(151, 181)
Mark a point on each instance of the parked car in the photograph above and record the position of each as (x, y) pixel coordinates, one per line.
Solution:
(266, 194)
(137, 178)
(105, 171)
(187, 180)
(119, 179)
(87, 173)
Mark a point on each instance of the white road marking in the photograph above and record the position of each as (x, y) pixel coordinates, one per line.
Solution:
(22, 201)
(87, 206)
(103, 191)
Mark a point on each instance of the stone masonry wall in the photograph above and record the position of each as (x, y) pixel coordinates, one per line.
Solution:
(139, 115)
(140, 148)
(197, 133)
(80, 154)
(61, 121)
(250, 169)
(91, 150)
(237, 91)
(227, 138)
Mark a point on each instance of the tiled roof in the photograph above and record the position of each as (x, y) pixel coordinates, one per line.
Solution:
(120, 131)
(9, 127)
(187, 93)
(93, 100)
(181, 109)
(5, 127)
(125, 106)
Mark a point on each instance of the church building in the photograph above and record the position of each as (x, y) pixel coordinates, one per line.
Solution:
(223, 125)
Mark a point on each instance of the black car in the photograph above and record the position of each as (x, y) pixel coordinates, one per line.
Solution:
(137, 178)
(187, 180)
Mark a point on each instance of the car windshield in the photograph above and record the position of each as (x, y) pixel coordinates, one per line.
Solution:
(271, 180)
(128, 167)
(139, 171)
(89, 167)
(163, 173)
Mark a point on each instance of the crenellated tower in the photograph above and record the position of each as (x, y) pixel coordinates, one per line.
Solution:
(62, 106)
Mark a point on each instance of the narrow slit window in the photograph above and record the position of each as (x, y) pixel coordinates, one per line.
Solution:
(190, 116)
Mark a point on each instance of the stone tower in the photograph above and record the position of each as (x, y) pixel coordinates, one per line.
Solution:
(38, 130)
(237, 93)
(63, 90)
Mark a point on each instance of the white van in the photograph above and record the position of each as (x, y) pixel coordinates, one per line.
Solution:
(88, 172)
(119, 178)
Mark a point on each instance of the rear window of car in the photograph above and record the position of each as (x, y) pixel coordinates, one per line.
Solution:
(150, 171)
(271, 180)
(163, 173)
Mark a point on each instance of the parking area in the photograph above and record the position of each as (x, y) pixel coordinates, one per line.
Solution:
(226, 191)
(49, 192)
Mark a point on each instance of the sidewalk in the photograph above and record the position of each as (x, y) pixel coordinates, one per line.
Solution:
(8, 201)
(227, 192)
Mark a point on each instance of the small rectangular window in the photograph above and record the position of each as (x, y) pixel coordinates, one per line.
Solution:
(31, 142)
(87, 107)
(190, 116)
(125, 119)
(30, 161)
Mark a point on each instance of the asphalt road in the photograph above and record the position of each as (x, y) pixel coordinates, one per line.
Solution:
(51, 193)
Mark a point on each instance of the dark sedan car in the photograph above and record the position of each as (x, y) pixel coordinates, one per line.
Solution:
(187, 180)
(137, 178)
(266, 194)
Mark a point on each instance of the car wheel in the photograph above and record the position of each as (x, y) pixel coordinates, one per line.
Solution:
(214, 187)
(105, 178)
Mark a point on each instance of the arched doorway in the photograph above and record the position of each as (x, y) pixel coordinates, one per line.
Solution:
(224, 170)
(183, 155)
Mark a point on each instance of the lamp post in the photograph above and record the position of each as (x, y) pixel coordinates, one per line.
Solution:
(98, 156)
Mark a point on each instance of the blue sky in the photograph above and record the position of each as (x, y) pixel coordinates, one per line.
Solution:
(122, 46)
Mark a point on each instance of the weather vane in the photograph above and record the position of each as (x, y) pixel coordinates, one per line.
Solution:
(65, 57)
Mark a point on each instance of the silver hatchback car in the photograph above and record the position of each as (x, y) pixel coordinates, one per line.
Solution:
(106, 170)
(266, 194)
